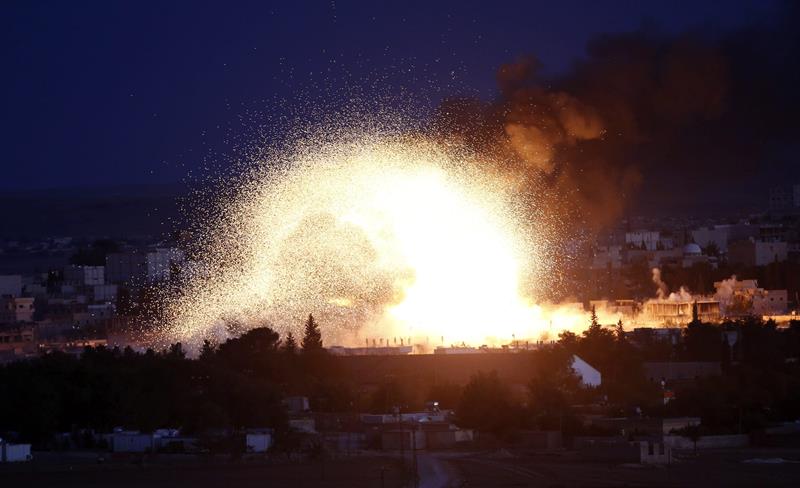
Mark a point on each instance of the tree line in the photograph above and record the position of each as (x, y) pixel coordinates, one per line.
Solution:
(242, 381)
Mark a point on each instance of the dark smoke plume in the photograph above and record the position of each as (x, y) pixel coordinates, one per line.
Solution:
(674, 122)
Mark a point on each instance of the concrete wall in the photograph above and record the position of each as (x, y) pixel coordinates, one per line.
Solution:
(441, 439)
(707, 441)
(654, 453)
(395, 440)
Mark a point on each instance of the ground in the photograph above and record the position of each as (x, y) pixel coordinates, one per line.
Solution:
(730, 468)
(499, 468)
(53, 471)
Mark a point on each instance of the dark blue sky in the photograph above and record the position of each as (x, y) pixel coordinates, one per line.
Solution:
(111, 93)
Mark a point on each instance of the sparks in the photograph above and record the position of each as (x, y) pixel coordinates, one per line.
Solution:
(381, 237)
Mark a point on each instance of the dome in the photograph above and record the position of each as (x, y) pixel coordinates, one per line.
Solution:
(692, 249)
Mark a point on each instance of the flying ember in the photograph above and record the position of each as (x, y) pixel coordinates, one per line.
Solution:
(378, 237)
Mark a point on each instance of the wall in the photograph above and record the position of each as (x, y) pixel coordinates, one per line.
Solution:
(707, 441)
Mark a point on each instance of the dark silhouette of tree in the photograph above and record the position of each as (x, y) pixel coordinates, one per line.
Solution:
(104, 388)
(711, 249)
(312, 337)
(695, 314)
(569, 341)
(619, 331)
(290, 344)
(702, 342)
(94, 255)
(594, 324)
(207, 351)
(486, 404)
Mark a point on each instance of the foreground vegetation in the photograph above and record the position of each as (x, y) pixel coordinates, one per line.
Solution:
(240, 383)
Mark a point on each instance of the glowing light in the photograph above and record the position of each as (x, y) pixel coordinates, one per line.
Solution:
(378, 238)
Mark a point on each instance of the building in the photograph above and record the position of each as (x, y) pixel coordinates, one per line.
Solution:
(607, 257)
(18, 341)
(135, 267)
(161, 262)
(647, 239)
(85, 275)
(716, 235)
(647, 335)
(771, 302)
(671, 371)
(369, 351)
(753, 252)
(744, 297)
(679, 311)
(14, 453)
(125, 267)
(784, 198)
(692, 254)
(402, 439)
(590, 377)
(104, 293)
(16, 309)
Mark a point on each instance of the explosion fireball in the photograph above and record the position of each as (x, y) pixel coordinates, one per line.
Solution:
(378, 237)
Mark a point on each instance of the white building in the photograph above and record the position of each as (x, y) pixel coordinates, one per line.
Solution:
(588, 375)
(647, 238)
(14, 453)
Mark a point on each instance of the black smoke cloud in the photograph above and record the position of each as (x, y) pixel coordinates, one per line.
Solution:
(645, 120)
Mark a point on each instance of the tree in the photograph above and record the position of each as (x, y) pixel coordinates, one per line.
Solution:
(695, 314)
(487, 404)
(619, 331)
(94, 255)
(207, 351)
(312, 338)
(290, 344)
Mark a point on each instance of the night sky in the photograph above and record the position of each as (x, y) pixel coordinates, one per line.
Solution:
(113, 93)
